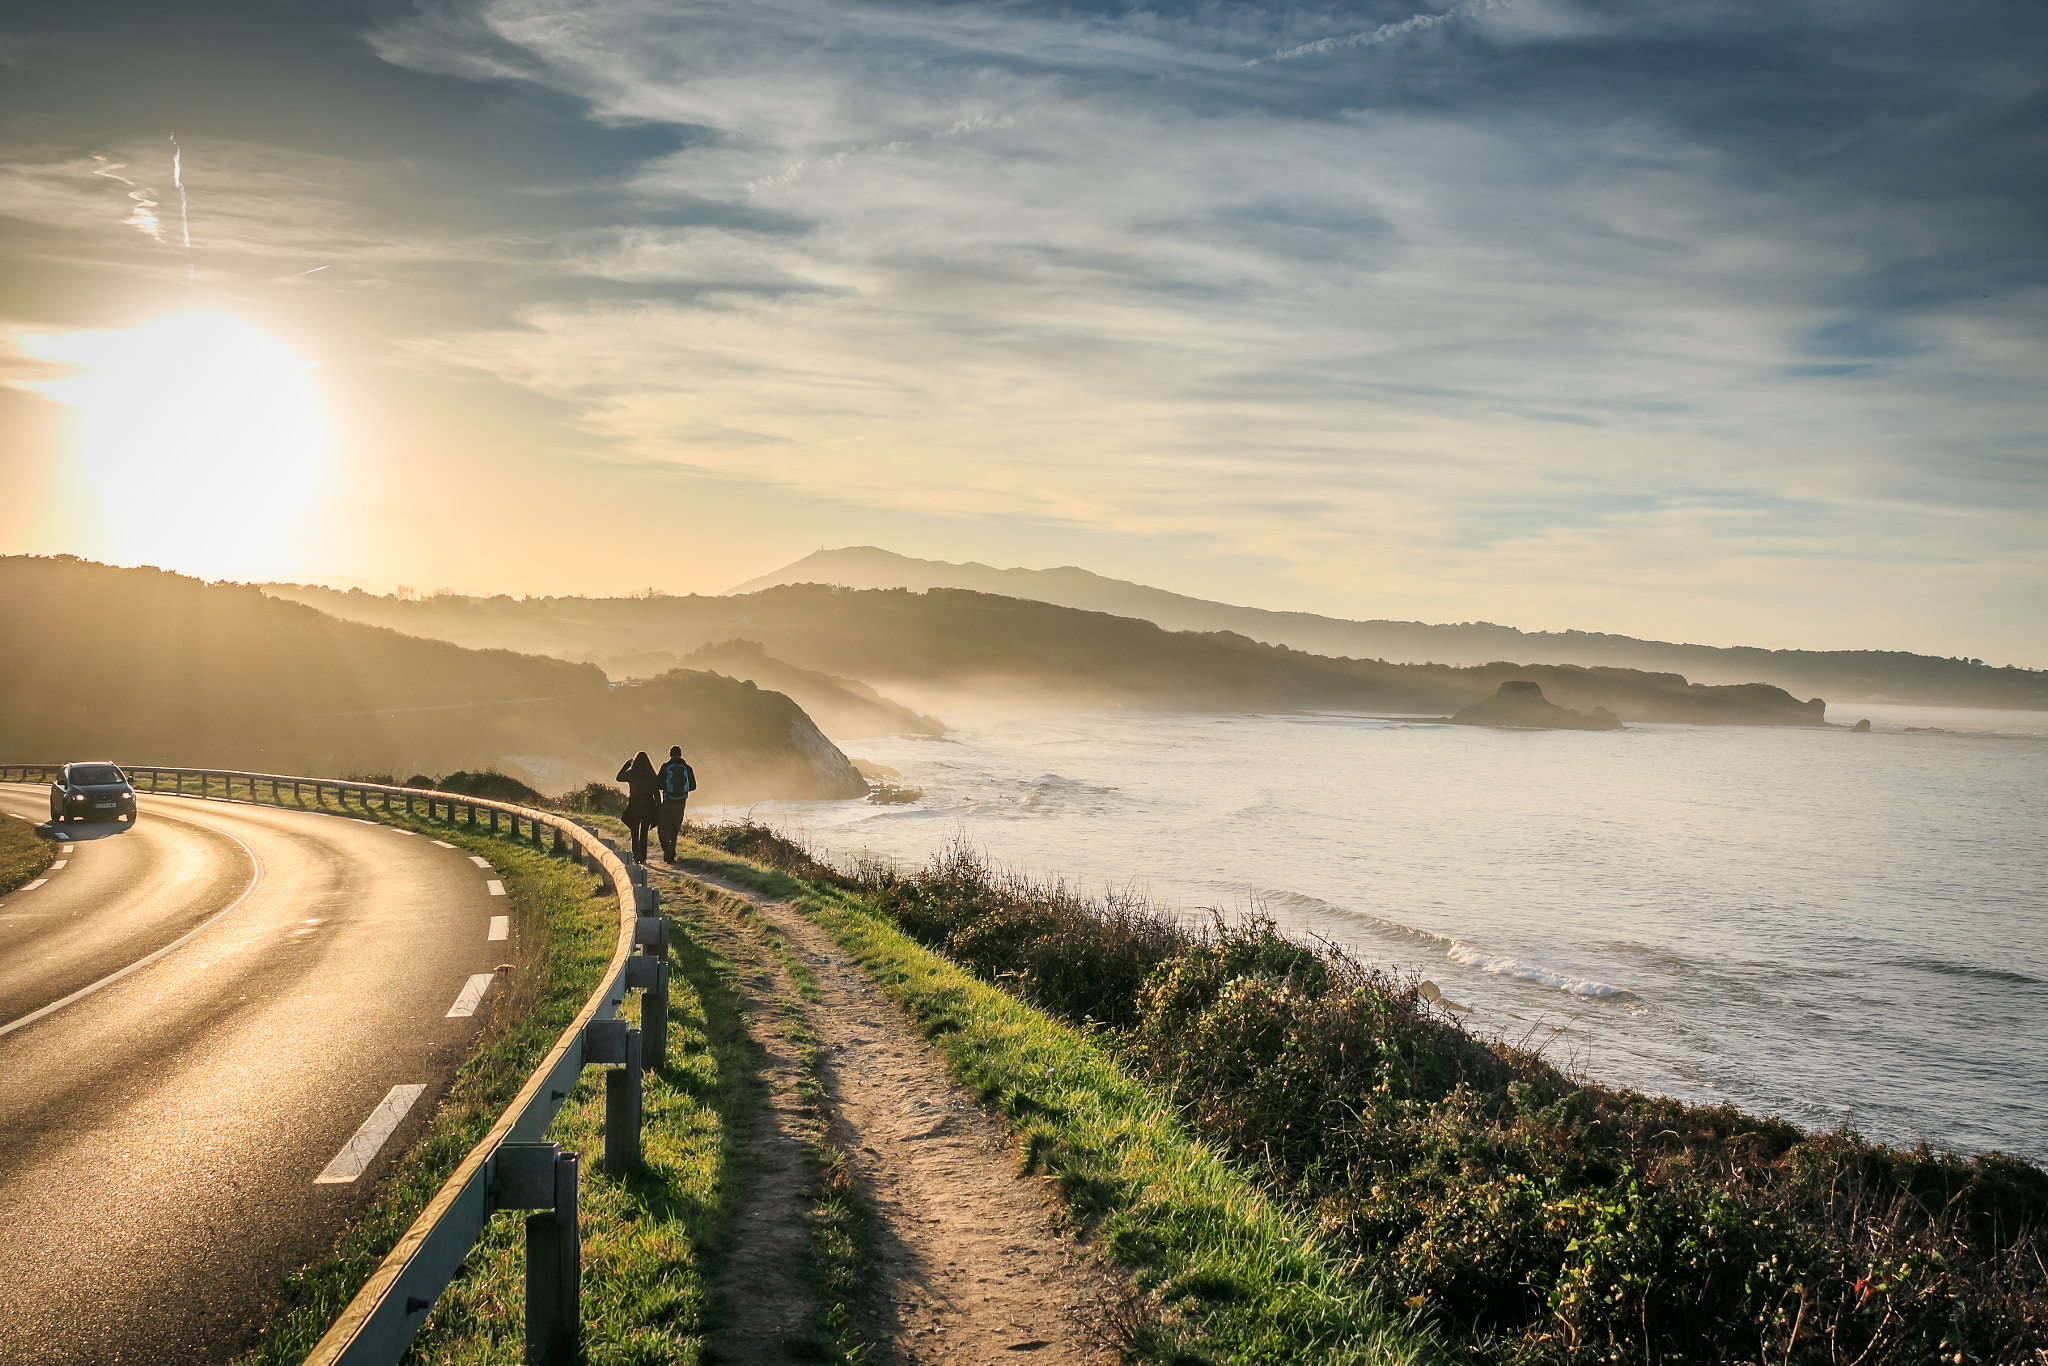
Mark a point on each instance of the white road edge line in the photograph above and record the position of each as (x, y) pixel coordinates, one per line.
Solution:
(479, 860)
(496, 887)
(472, 992)
(363, 1145)
(142, 963)
(30, 888)
(59, 864)
(501, 928)
(444, 844)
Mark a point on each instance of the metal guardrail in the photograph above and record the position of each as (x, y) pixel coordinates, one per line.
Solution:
(512, 1168)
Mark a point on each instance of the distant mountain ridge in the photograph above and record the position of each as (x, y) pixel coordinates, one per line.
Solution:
(980, 649)
(1842, 675)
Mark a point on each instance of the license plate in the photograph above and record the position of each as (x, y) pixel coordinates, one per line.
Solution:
(103, 806)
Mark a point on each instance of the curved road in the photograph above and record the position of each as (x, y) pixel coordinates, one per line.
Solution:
(174, 1139)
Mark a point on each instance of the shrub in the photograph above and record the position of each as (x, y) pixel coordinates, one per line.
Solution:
(493, 786)
(596, 799)
(1534, 1218)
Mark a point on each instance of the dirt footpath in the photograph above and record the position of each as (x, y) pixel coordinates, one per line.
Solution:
(977, 1264)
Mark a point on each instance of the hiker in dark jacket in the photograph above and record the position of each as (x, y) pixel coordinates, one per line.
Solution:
(678, 781)
(643, 800)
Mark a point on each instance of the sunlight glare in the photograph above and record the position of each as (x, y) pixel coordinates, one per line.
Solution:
(196, 423)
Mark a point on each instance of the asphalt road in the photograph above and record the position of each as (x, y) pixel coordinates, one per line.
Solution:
(275, 975)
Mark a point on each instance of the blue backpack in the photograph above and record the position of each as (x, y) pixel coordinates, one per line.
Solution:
(677, 780)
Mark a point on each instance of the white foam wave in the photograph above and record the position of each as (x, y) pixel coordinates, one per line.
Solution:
(1503, 965)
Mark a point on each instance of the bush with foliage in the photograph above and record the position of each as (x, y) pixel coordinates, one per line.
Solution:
(1534, 1218)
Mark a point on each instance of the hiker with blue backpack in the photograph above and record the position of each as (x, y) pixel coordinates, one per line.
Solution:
(678, 781)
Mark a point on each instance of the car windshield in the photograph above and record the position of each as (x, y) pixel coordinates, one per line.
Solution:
(88, 775)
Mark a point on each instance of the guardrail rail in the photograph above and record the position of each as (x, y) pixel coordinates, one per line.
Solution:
(512, 1168)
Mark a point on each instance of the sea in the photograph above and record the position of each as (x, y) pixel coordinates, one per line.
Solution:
(1840, 929)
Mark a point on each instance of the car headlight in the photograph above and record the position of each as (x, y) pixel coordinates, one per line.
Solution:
(78, 796)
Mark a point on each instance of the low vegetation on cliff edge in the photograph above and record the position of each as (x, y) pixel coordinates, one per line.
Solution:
(1527, 1216)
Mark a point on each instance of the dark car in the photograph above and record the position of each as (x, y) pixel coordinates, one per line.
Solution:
(92, 792)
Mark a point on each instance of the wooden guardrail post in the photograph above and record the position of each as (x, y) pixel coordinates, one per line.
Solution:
(648, 970)
(617, 1042)
(554, 1273)
(540, 1176)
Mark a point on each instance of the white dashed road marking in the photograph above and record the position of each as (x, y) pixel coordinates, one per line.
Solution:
(472, 992)
(497, 887)
(444, 844)
(37, 883)
(66, 848)
(356, 1154)
(59, 864)
(501, 927)
(479, 860)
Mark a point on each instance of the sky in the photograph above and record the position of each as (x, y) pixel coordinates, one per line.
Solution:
(1723, 322)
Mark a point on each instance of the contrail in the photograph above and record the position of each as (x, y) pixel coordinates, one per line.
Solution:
(1373, 37)
(178, 179)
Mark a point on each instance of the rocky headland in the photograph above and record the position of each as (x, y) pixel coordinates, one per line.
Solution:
(1520, 702)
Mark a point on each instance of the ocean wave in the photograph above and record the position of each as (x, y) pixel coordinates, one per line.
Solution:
(1051, 793)
(1457, 950)
(1503, 965)
(1948, 969)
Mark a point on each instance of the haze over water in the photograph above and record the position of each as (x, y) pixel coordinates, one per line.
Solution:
(1835, 928)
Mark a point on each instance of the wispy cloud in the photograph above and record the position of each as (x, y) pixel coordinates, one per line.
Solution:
(142, 216)
(1549, 291)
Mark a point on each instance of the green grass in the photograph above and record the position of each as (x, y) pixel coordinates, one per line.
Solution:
(24, 853)
(1238, 1276)
(651, 1237)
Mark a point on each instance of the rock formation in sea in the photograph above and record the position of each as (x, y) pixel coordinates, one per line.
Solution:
(1521, 703)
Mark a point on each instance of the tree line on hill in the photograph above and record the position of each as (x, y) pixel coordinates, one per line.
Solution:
(148, 667)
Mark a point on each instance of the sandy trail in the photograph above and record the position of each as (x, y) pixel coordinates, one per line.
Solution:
(977, 1263)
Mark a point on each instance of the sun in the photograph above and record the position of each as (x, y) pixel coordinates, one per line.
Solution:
(195, 425)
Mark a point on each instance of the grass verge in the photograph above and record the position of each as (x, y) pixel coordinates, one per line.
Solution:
(649, 1235)
(566, 938)
(1238, 1276)
(24, 853)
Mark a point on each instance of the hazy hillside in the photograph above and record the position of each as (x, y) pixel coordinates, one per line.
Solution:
(1843, 675)
(949, 644)
(844, 708)
(150, 667)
